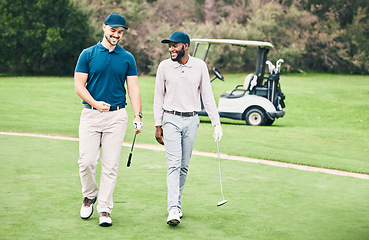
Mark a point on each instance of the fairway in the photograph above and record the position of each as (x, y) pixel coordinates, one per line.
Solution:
(326, 125)
(41, 193)
(326, 122)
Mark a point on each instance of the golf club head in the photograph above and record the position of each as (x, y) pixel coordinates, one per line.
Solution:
(130, 154)
(222, 203)
(279, 62)
(129, 159)
(270, 66)
(278, 65)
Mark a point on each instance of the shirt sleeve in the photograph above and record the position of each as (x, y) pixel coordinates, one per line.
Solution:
(208, 97)
(132, 70)
(82, 63)
(159, 96)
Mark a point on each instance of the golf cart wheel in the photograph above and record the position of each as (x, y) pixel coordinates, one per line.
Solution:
(255, 117)
(269, 122)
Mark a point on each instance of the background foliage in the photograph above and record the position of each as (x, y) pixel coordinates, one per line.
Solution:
(41, 36)
(311, 35)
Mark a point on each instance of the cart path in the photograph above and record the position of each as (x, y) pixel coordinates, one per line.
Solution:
(210, 154)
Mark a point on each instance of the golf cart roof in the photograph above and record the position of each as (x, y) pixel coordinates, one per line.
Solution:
(234, 42)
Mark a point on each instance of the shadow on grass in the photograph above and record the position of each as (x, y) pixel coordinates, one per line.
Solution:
(222, 122)
(240, 123)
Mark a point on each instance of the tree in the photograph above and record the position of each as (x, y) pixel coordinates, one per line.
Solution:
(48, 35)
(41, 36)
(210, 11)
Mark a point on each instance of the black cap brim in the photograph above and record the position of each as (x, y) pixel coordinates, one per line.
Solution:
(166, 41)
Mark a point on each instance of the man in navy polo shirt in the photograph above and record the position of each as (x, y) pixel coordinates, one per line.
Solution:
(99, 79)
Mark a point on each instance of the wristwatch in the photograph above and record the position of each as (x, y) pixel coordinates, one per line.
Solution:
(139, 114)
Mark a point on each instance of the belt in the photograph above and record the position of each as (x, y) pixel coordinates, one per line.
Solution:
(111, 108)
(182, 114)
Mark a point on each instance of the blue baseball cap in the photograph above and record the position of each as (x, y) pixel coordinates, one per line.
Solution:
(178, 37)
(115, 20)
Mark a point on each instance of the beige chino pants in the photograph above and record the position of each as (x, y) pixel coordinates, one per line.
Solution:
(100, 134)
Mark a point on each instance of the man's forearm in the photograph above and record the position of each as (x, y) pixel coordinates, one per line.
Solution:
(134, 94)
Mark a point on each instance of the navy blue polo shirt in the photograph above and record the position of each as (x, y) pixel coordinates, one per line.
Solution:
(107, 72)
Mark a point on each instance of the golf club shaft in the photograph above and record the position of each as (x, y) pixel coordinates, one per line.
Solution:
(220, 173)
(130, 154)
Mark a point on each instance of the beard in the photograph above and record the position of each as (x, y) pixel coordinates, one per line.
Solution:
(109, 40)
(180, 54)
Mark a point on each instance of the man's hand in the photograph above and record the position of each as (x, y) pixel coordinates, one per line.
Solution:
(102, 106)
(138, 125)
(159, 135)
(218, 133)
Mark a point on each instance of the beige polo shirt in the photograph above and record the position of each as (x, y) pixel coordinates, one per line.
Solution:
(178, 88)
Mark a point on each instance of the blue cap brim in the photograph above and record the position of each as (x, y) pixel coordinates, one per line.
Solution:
(113, 25)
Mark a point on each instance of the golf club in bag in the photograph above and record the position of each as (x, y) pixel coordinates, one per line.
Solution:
(130, 154)
(220, 179)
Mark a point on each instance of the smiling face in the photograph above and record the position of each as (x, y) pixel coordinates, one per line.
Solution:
(112, 34)
(178, 51)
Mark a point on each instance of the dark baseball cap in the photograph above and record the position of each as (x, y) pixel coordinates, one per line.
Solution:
(115, 20)
(178, 37)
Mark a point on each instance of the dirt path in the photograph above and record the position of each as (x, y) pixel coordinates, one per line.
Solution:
(210, 154)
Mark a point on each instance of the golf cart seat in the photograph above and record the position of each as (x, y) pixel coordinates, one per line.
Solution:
(240, 90)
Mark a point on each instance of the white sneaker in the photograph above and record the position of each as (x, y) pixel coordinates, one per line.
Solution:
(87, 208)
(173, 217)
(105, 220)
(180, 213)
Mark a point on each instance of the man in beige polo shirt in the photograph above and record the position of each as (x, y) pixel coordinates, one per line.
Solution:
(180, 83)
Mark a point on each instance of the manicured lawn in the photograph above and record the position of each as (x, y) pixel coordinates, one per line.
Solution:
(40, 198)
(326, 122)
(326, 125)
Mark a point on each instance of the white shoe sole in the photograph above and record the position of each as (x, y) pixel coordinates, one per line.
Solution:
(105, 222)
(173, 222)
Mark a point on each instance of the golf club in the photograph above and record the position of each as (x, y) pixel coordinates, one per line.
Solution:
(130, 154)
(270, 66)
(220, 178)
(278, 65)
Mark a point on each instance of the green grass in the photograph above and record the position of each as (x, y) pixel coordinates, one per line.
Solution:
(40, 198)
(325, 125)
(326, 122)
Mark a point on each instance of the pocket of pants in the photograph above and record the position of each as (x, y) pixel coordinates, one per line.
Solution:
(85, 114)
(164, 118)
(123, 116)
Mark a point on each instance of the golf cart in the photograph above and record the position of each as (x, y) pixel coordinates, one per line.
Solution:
(259, 100)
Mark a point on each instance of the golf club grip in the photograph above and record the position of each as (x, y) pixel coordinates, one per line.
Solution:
(129, 159)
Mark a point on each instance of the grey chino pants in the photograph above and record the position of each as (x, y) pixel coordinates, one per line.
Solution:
(100, 135)
(179, 135)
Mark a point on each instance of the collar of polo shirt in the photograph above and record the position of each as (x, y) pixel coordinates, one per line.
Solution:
(188, 64)
(102, 48)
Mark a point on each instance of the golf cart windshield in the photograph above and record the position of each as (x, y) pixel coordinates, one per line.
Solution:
(202, 47)
(246, 43)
